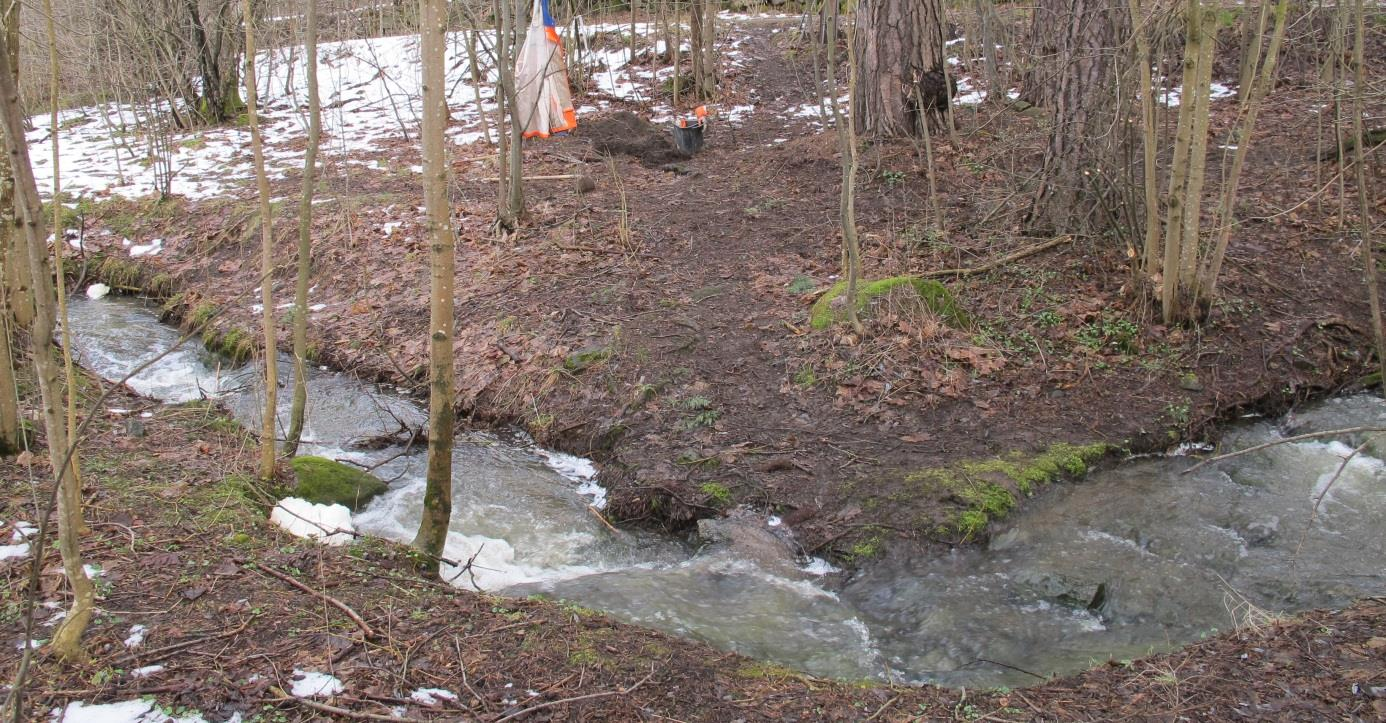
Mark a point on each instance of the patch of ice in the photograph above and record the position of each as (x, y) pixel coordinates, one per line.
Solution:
(774, 521)
(23, 531)
(97, 291)
(317, 307)
(819, 566)
(431, 696)
(312, 684)
(9, 552)
(150, 249)
(32, 644)
(146, 671)
(93, 570)
(329, 523)
(129, 711)
(136, 636)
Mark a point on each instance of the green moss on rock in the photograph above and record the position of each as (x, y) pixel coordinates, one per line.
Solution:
(326, 482)
(985, 490)
(586, 357)
(936, 296)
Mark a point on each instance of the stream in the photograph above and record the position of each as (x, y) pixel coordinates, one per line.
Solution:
(1132, 560)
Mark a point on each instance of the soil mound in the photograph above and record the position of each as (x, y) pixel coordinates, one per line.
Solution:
(626, 133)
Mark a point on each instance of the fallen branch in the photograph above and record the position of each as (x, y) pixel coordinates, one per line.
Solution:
(159, 653)
(334, 602)
(558, 177)
(1285, 440)
(589, 696)
(334, 710)
(1002, 261)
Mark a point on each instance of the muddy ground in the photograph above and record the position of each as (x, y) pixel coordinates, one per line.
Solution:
(180, 537)
(660, 322)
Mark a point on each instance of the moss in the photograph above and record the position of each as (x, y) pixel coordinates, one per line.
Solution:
(201, 314)
(161, 285)
(236, 345)
(118, 273)
(324, 481)
(934, 294)
(982, 488)
(765, 670)
(717, 492)
(586, 357)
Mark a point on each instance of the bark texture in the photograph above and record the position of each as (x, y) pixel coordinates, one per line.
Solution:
(270, 414)
(437, 503)
(1075, 43)
(305, 234)
(898, 51)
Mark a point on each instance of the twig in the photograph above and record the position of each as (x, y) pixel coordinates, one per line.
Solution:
(602, 518)
(163, 652)
(589, 696)
(334, 710)
(334, 602)
(880, 710)
(1285, 440)
(1002, 261)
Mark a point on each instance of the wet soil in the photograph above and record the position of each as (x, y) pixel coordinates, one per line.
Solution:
(659, 323)
(179, 533)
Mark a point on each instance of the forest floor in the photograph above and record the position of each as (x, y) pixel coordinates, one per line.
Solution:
(197, 619)
(659, 323)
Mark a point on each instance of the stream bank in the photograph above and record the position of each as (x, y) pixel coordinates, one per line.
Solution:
(1080, 576)
(181, 540)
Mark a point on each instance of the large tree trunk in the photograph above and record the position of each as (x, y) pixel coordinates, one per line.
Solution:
(10, 441)
(898, 52)
(16, 279)
(1074, 41)
(437, 502)
(703, 36)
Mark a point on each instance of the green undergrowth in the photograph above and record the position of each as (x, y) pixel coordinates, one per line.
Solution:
(982, 491)
(935, 295)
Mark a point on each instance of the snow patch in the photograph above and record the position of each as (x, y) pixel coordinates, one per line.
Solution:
(96, 291)
(10, 552)
(311, 684)
(431, 696)
(136, 636)
(301, 518)
(146, 671)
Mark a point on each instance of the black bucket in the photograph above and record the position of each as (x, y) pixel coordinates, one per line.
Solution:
(689, 140)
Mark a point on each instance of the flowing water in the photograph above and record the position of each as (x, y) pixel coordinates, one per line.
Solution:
(1135, 559)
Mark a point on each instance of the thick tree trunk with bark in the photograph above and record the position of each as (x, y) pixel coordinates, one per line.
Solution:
(703, 36)
(898, 51)
(437, 503)
(1075, 45)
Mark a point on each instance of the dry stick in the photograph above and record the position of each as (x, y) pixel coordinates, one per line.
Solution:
(1285, 440)
(334, 710)
(1002, 261)
(334, 602)
(880, 710)
(158, 653)
(1318, 500)
(589, 696)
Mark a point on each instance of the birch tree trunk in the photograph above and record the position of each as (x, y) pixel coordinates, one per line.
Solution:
(33, 240)
(437, 503)
(305, 234)
(898, 52)
(257, 147)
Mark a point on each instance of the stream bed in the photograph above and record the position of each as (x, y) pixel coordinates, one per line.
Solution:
(1132, 560)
